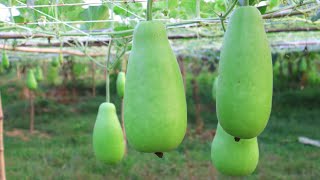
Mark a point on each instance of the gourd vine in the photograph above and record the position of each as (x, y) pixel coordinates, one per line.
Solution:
(107, 72)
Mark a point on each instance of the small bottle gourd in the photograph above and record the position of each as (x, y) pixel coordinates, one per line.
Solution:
(108, 141)
(39, 74)
(5, 60)
(31, 80)
(234, 158)
(121, 80)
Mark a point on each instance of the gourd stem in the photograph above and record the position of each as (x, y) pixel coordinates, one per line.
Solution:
(149, 10)
(244, 2)
(107, 72)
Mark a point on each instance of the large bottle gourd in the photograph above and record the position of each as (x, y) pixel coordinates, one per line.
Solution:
(155, 109)
(234, 158)
(108, 140)
(244, 93)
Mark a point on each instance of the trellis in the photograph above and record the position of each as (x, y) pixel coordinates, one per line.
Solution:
(75, 40)
(98, 38)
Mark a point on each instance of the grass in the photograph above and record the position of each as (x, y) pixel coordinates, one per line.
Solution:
(66, 151)
(62, 149)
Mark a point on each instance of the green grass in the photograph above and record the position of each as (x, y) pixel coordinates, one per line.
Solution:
(67, 153)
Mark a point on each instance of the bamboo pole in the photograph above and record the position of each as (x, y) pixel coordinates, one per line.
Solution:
(49, 50)
(2, 162)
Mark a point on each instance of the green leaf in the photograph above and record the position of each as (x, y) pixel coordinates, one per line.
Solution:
(189, 6)
(172, 4)
(95, 13)
(273, 3)
(19, 19)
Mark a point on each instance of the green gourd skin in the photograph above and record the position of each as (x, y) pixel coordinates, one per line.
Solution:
(276, 68)
(53, 75)
(55, 62)
(39, 74)
(31, 80)
(303, 65)
(121, 80)
(108, 141)
(5, 60)
(155, 110)
(244, 94)
(214, 88)
(234, 158)
(60, 58)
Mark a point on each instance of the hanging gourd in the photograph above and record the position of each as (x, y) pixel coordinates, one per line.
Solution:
(53, 75)
(31, 80)
(60, 58)
(303, 65)
(155, 110)
(244, 92)
(39, 74)
(55, 62)
(234, 158)
(108, 142)
(5, 60)
(121, 80)
(79, 69)
(108, 139)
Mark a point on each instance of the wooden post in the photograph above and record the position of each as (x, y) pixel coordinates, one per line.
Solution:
(2, 162)
(31, 111)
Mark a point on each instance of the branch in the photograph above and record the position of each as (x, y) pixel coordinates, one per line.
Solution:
(23, 36)
(105, 42)
(294, 29)
(288, 12)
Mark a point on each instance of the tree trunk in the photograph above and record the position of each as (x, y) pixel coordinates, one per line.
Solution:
(195, 94)
(31, 112)
(2, 162)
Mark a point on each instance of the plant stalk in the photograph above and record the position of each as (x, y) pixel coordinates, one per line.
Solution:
(107, 73)
(149, 10)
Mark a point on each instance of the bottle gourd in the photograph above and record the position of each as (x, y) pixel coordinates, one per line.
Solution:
(108, 141)
(155, 110)
(121, 80)
(5, 60)
(244, 92)
(234, 158)
(31, 80)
